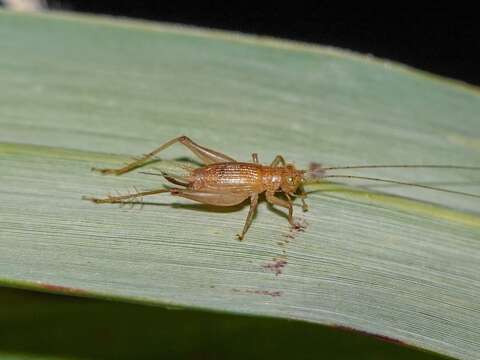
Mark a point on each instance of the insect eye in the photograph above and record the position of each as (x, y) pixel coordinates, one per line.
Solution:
(290, 180)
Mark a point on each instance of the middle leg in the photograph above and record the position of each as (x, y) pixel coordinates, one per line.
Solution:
(251, 213)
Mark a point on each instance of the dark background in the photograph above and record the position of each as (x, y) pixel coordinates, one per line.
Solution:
(440, 39)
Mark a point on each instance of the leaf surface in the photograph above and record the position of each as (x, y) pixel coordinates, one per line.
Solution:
(392, 260)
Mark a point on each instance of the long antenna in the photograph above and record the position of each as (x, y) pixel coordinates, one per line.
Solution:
(402, 166)
(401, 183)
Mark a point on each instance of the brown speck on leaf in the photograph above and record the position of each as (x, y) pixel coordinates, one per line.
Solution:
(298, 227)
(265, 292)
(272, 293)
(276, 266)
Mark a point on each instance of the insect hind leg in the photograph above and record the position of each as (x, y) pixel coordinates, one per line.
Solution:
(208, 156)
(278, 160)
(119, 199)
(175, 181)
(211, 198)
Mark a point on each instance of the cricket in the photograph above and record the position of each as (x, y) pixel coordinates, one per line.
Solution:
(223, 181)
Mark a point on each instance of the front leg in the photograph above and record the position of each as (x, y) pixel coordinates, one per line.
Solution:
(303, 195)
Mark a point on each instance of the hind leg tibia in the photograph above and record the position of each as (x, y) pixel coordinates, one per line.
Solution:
(124, 198)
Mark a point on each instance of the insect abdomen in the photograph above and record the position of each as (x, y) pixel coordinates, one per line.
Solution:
(234, 176)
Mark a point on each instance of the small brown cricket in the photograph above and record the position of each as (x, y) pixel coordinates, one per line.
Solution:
(223, 181)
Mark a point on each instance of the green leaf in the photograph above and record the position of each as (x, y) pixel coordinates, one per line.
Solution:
(396, 261)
